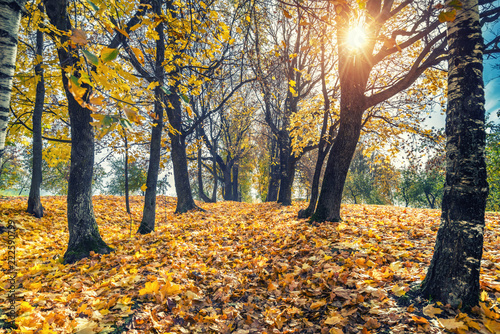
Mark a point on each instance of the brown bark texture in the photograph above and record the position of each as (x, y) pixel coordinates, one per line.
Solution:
(149, 210)
(34, 203)
(84, 234)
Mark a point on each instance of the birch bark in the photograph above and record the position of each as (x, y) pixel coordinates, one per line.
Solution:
(10, 17)
(453, 275)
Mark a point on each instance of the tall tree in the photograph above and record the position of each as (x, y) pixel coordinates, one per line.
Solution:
(149, 211)
(326, 137)
(453, 275)
(84, 234)
(361, 89)
(34, 204)
(10, 12)
(286, 63)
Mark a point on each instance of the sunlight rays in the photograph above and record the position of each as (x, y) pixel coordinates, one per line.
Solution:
(357, 37)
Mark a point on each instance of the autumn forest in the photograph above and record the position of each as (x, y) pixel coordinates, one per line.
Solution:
(248, 166)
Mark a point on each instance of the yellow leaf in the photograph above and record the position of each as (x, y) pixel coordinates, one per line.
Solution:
(96, 99)
(131, 114)
(431, 311)
(484, 296)
(77, 91)
(35, 286)
(152, 85)
(98, 116)
(399, 290)
(318, 304)
(191, 295)
(370, 263)
(493, 326)
(25, 307)
(170, 289)
(336, 331)
(473, 324)
(452, 324)
(123, 32)
(334, 319)
(396, 266)
(151, 287)
(140, 57)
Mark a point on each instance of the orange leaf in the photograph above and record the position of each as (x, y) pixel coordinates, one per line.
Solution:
(78, 37)
(419, 320)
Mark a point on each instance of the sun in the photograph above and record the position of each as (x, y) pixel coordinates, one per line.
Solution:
(356, 37)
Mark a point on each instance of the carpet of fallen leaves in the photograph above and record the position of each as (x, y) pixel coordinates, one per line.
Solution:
(239, 268)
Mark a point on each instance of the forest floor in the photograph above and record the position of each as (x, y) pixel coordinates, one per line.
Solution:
(238, 268)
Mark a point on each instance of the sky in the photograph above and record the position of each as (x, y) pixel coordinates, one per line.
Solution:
(492, 96)
(491, 76)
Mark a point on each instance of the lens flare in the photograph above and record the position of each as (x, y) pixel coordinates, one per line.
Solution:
(356, 37)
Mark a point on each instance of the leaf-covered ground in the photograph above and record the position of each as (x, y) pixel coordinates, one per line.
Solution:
(239, 268)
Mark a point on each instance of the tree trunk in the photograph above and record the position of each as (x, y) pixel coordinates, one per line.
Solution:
(10, 12)
(324, 143)
(185, 200)
(337, 167)
(84, 234)
(274, 175)
(236, 195)
(354, 70)
(34, 204)
(228, 185)
(287, 168)
(149, 211)
(307, 212)
(125, 169)
(214, 173)
(201, 191)
(286, 181)
(453, 275)
(274, 184)
(431, 199)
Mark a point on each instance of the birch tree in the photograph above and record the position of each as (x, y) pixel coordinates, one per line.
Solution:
(10, 13)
